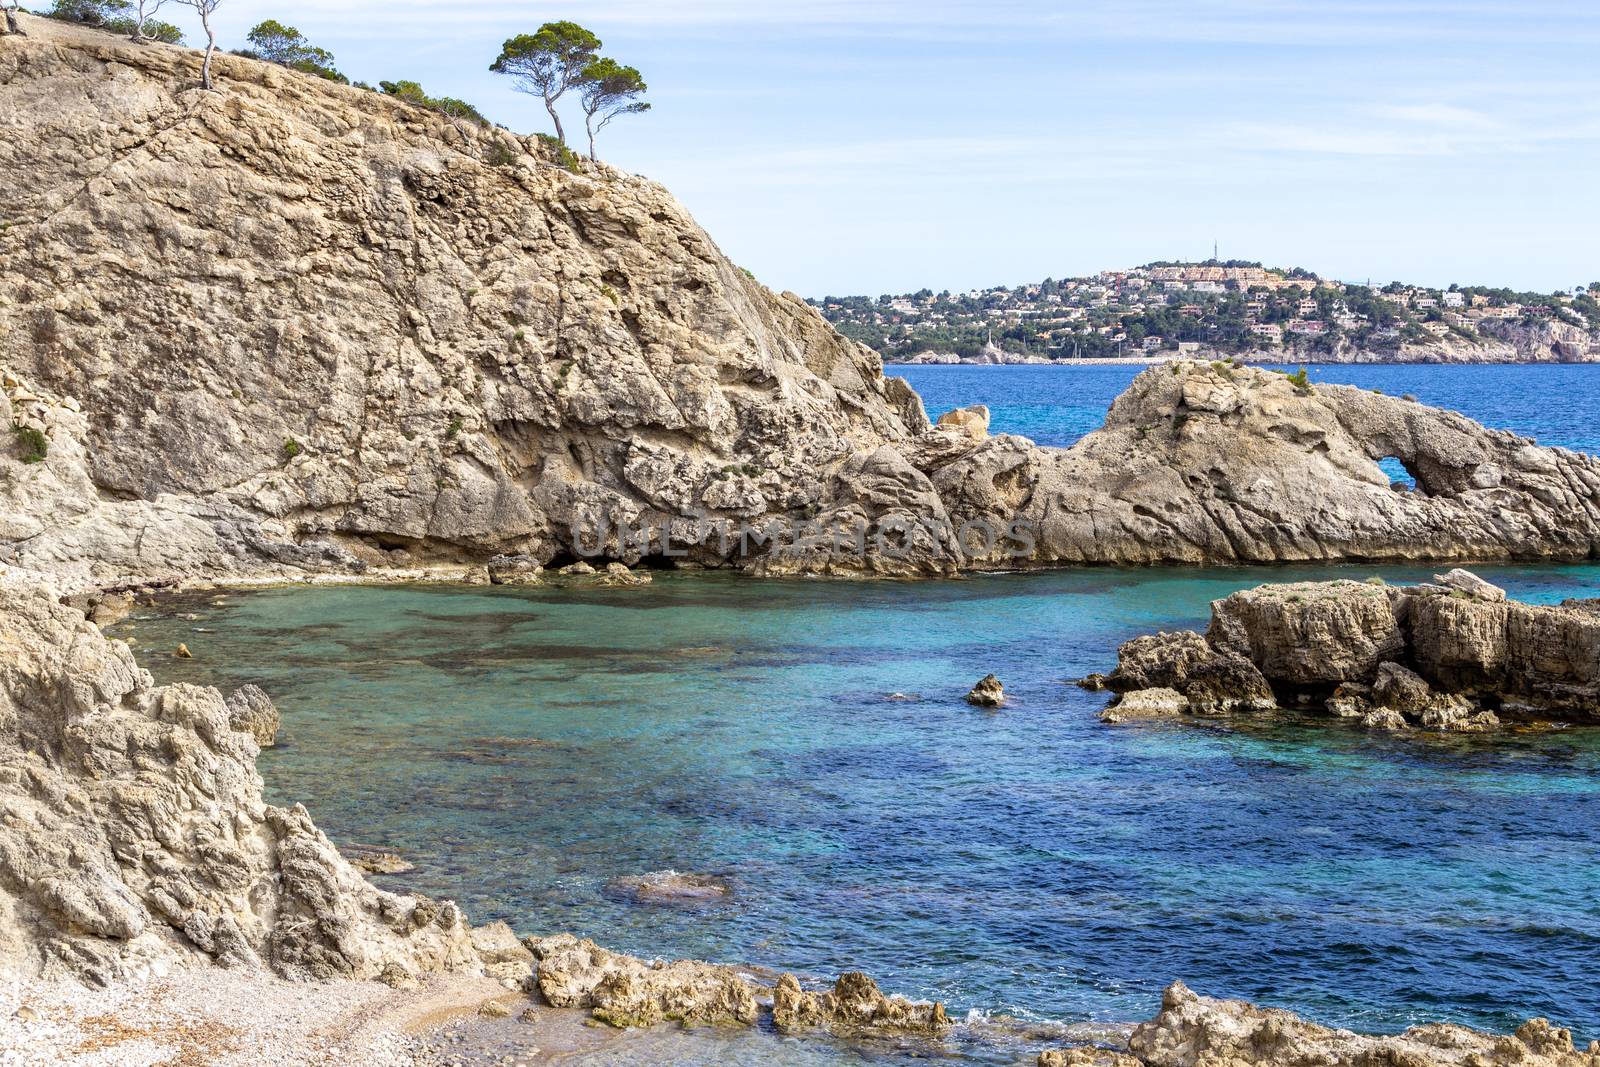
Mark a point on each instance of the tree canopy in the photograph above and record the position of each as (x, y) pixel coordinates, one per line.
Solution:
(286, 46)
(608, 89)
(548, 63)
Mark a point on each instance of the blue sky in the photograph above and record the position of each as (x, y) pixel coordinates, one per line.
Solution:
(865, 146)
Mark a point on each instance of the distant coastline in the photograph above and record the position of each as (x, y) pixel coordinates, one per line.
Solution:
(1222, 311)
(1255, 358)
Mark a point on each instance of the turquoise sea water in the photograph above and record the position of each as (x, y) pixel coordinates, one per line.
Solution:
(524, 748)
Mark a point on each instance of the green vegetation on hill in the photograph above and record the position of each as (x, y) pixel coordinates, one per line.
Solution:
(1233, 307)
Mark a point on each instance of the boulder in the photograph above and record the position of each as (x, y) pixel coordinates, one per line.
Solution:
(1147, 704)
(624, 991)
(515, 569)
(1211, 679)
(1384, 719)
(972, 421)
(1466, 582)
(854, 1006)
(988, 693)
(1401, 689)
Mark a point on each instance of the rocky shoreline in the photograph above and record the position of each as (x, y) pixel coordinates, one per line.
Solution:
(137, 850)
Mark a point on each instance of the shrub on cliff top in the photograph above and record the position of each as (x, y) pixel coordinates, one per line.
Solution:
(288, 47)
(565, 156)
(448, 106)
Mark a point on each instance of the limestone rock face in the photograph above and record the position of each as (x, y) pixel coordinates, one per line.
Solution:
(135, 833)
(251, 711)
(298, 327)
(1200, 462)
(1454, 657)
(1311, 632)
(314, 314)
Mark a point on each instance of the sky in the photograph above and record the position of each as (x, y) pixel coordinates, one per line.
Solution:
(869, 146)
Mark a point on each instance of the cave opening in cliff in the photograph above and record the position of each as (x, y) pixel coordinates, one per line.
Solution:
(1403, 476)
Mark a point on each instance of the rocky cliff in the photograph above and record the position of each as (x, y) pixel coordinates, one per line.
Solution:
(299, 327)
(134, 836)
(306, 324)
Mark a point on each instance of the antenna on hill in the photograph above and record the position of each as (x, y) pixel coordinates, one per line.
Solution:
(1214, 257)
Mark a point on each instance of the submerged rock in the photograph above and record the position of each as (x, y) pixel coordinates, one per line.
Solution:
(376, 860)
(671, 887)
(988, 693)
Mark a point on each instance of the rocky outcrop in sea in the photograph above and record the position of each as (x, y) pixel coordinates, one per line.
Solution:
(1452, 655)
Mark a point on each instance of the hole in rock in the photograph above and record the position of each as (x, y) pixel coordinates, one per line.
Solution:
(1401, 477)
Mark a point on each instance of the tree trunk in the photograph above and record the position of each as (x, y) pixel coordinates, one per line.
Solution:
(588, 124)
(561, 135)
(211, 47)
(11, 23)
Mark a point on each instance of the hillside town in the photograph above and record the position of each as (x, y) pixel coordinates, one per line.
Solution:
(1232, 308)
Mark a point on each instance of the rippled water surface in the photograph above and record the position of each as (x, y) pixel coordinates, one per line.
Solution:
(524, 748)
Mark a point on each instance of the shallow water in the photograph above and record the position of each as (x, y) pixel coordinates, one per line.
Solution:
(525, 748)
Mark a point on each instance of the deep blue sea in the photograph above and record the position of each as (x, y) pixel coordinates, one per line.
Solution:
(524, 748)
(1056, 405)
